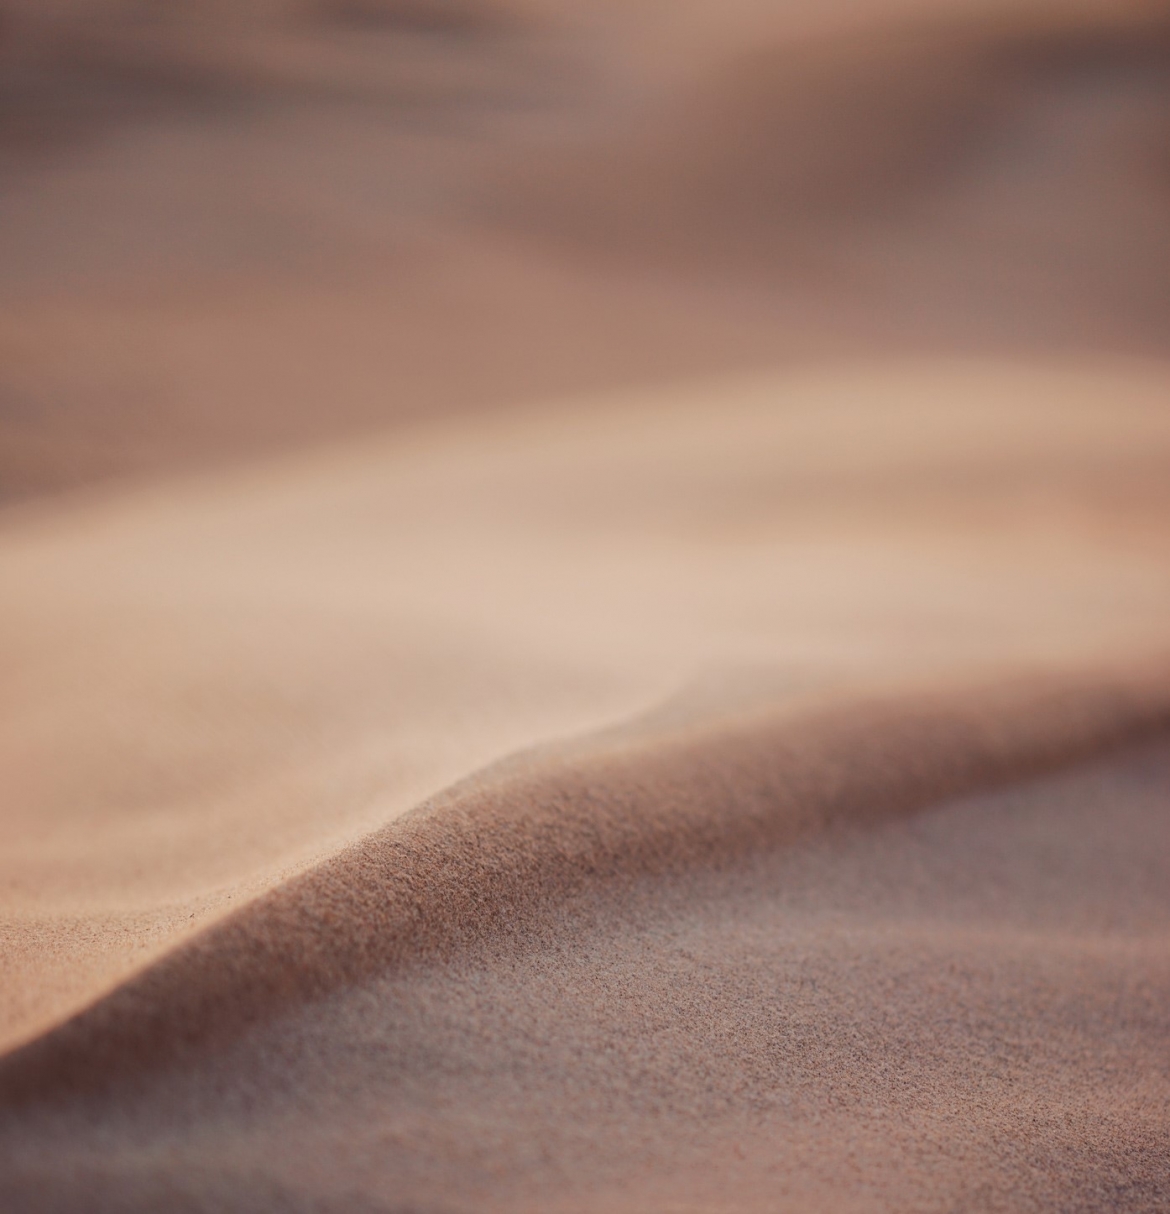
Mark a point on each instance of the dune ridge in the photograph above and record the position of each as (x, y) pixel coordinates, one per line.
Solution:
(700, 740)
(496, 853)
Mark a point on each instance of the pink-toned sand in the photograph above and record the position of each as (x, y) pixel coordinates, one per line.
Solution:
(585, 607)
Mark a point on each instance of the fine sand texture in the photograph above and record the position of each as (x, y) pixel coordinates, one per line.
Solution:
(744, 794)
(584, 606)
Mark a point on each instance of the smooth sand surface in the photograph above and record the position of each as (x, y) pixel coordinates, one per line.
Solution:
(228, 227)
(707, 624)
(584, 607)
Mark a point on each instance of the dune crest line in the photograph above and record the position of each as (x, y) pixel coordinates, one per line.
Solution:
(485, 858)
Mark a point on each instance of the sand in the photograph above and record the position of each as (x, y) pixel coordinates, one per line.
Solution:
(226, 228)
(584, 609)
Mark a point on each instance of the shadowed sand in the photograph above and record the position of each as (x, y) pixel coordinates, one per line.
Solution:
(964, 1009)
(508, 848)
(850, 594)
(584, 607)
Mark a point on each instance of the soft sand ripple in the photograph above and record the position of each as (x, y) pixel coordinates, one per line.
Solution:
(680, 636)
(512, 846)
(702, 745)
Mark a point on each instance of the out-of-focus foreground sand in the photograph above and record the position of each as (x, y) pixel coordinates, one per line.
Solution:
(584, 606)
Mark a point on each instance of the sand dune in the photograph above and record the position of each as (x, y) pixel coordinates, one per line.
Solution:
(964, 1009)
(292, 217)
(498, 854)
(842, 596)
(584, 606)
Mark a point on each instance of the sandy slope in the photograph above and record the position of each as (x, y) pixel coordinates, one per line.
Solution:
(702, 744)
(217, 684)
(963, 1010)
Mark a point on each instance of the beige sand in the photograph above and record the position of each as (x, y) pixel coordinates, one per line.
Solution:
(852, 593)
(703, 747)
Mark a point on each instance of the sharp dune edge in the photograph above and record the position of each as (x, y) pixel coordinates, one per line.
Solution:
(584, 607)
(489, 857)
(833, 888)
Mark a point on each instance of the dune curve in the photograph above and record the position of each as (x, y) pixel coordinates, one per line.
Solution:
(505, 848)
(701, 744)
(275, 663)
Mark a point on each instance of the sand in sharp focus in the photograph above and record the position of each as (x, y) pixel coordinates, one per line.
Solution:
(584, 608)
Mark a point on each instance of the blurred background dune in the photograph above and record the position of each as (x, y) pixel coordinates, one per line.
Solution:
(550, 420)
(233, 227)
